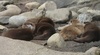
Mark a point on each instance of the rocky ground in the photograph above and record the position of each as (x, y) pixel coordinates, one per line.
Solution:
(35, 47)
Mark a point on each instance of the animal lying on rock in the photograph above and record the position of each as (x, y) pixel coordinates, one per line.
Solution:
(72, 31)
(19, 33)
(43, 28)
(91, 33)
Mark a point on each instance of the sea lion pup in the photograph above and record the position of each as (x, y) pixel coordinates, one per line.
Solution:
(19, 33)
(91, 33)
(72, 31)
(43, 31)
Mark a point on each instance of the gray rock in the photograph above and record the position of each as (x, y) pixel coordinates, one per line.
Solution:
(2, 5)
(74, 14)
(94, 12)
(56, 40)
(4, 2)
(13, 0)
(60, 3)
(2, 27)
(85, 17)
(83, 10)
(49, 5)
(32, 14)
(93, 51)
(2, 8)
(97, 6)
(4, 19)
(58, 14)
(83, 1)
(32, 5)
(18, 47)
(16, 21)
(11, 10)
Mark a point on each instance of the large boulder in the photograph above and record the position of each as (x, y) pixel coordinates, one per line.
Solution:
(93, 51)
(56, 41)
(32, 5)
(32, 14)
(2, 8)
(84, 9)
(19, 47)
(97, 6)
(58, 14)
(2, 5)
(2, 27)
(60, 3)
(11, 10)
(85, 17)
(49, 5)
(94, 12)
(5, 2)
(4, 19)
(83, 1)
(16, 21)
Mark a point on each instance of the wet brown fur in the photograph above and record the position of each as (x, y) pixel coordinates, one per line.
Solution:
(91, 33)
(71, 32)
(19, 33)
(43, 31)
(44, 28)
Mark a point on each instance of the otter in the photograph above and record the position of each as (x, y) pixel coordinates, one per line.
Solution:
(19, 33)
(72, 31)
(43, 31)
(91, 33)
(41, 19)
(43, 27)
(47, 20)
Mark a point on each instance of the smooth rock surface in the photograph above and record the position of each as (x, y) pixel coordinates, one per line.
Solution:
(4, 19)
(94, 12)
(49, 5)
(17, 47)
(2, 27)
(32, 5)
(56, 40)
(60, 3)
(83, 10)
(58, 14)
(32, 14)
(93, 51)
(97, 6)
(85, 17)
(82, 1)
(11, 10)
(17, 21)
